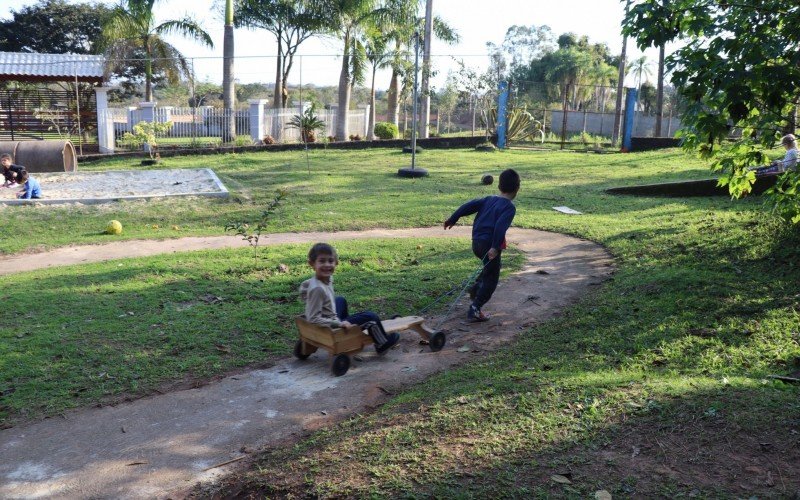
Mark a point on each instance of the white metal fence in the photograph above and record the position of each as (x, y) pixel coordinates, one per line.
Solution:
(203, 126)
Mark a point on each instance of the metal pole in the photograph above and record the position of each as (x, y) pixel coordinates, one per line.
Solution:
(78, 108)
(11, 117)
(413, 171)
(194, 107)
(564, 117)
(414, 105)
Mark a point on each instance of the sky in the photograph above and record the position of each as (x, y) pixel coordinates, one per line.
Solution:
(476, 21)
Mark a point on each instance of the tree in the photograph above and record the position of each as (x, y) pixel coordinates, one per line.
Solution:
(348, 19)
(739, 66)
(406, 24)
(377, 52)
(641, 68)
(228, 92)
(577, 63)
(131, 29)
(647, 97)
(522, 44)
(447, 99)
(660, 91)
(427, 36)
(291, 23)
(54, 27)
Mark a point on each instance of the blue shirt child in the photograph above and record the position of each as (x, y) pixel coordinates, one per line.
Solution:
(31, 189)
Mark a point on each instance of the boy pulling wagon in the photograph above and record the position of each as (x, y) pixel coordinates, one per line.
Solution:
(494, 217)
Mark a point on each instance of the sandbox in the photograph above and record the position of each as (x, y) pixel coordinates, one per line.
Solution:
(104, 187)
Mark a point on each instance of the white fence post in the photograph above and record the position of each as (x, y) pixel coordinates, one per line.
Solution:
(147, 112)
(105, 122)
(366, 122)
(257, 131)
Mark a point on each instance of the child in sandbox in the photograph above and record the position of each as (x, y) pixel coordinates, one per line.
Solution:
(789, 161)
(30, 187)
(11, 172)
(324, 308)
(494, 217)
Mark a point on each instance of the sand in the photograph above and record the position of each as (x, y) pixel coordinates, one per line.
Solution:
(120, 184)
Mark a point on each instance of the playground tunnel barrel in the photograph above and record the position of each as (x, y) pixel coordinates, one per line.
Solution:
(42, 156)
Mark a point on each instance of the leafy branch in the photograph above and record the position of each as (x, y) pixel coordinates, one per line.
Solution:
(251, 232)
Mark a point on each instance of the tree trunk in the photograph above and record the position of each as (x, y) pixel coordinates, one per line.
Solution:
(371, 124)
(344, 93)
(426, 70)
(277, 92)
(620, 86)
(228, 95)
(148, 75)
(660, 92)
(288, 60)
(392, 99)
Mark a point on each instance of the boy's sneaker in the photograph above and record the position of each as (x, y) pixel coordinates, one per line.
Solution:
(474, 315)
(391, 340)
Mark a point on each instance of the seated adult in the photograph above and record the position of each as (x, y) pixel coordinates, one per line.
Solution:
(789, 161)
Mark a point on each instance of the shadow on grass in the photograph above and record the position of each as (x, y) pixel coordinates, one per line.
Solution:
(653, 386)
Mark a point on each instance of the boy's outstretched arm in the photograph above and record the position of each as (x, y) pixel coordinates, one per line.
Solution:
(467, 208)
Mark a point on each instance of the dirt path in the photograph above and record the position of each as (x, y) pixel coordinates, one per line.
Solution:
(150, 447)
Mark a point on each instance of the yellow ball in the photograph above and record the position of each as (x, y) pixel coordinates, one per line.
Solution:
(114, 227)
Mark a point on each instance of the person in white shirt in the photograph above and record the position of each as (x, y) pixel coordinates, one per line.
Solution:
(789, 161)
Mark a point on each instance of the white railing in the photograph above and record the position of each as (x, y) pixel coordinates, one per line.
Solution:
(206, 125)
(276, 123)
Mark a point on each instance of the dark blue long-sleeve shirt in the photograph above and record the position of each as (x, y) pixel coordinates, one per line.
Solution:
(495, 214)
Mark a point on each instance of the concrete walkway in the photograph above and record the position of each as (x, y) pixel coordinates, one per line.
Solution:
(156, 446)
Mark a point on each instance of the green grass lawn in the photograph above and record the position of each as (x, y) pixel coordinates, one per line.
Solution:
(701, 310)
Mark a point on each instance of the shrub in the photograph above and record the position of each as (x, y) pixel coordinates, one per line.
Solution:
(243, 140)
(308, 123)
(268, 139)
(355, 137)
(386, 130)
(144, 134)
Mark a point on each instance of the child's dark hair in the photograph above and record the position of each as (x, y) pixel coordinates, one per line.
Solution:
(321, 249)
(23, 177)
(509, 181)
(4, 156)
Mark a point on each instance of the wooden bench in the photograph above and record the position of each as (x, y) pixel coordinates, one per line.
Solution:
(342, 343)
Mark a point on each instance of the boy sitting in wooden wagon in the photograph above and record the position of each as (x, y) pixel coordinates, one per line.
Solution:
(324, 308)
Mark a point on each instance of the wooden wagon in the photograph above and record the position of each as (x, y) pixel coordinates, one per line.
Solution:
(342, 343)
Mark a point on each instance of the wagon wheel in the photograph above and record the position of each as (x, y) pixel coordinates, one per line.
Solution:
(298, 350)
(340, 365)
(437, 341)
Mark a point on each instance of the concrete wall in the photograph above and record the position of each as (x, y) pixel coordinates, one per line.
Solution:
(603, 123)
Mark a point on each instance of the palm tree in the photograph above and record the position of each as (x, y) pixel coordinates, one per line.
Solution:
(348, 19)
(426, 69)
(379, 56)
(641, 68)
(401, 67)
(132, 27)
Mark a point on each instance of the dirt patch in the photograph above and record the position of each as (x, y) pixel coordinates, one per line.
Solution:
(706, 457)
